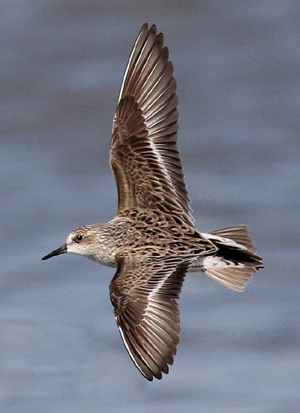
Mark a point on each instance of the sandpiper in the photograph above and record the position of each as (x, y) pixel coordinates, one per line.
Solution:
(152, 241)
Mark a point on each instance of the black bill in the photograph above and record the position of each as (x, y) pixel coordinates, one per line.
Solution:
(60, 250)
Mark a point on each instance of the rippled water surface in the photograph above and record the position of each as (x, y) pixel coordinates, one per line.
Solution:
(237, 69)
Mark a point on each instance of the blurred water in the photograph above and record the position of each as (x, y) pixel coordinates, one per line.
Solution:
(237, 69)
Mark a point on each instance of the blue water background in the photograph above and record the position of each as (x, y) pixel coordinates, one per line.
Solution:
(237, 66)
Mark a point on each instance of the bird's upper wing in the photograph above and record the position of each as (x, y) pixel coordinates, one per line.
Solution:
(144, 155)
(144, 298)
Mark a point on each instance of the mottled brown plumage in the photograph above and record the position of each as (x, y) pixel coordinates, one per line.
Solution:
(152, 241)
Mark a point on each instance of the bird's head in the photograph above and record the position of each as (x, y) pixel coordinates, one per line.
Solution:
(81, 241)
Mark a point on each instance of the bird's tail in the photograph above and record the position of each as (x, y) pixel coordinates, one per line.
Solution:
(235, 260)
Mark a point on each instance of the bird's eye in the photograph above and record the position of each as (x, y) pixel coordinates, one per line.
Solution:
(78, 238)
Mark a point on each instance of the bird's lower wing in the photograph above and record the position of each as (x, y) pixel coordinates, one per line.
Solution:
(144, 296)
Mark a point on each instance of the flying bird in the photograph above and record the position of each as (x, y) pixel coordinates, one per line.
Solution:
(152, 241)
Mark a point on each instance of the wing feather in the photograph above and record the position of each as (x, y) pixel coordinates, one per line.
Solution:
(144, 296)
(144, 155)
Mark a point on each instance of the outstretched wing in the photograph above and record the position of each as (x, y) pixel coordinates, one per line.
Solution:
(144, 155)
(144, 298)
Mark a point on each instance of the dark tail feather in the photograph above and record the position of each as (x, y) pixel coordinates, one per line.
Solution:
(236, 259)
